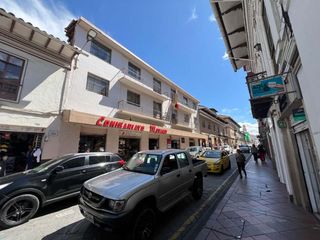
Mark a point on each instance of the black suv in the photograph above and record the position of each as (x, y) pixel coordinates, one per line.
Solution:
(22, 194)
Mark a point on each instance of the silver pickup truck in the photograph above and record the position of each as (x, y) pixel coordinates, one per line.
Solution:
(151, 181)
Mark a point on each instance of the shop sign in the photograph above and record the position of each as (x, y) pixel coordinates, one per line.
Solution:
(298, 115)
(267, 87)
(103, 122)
(282, 124)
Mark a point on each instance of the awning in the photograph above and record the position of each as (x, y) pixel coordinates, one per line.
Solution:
(229, 16)
(260, 107)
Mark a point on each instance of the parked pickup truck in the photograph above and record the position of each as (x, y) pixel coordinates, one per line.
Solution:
(130, 197)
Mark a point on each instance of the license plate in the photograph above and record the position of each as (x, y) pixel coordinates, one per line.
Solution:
(88, 216)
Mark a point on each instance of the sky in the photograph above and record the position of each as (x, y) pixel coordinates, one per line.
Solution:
(180, 38)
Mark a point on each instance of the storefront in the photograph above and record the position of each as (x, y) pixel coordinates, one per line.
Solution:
(125, 137)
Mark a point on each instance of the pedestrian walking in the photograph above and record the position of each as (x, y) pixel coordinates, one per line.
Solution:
(241, 161)
(262, 152)
(254, 151)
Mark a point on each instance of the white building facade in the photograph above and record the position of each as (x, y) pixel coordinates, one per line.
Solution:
(119, 103)
(270, 38)
(33, 71)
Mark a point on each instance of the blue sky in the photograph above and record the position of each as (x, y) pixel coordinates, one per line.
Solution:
(179, 38)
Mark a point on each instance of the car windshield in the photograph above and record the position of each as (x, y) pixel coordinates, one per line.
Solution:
(211, 154)
(144, 163)
(46, 165)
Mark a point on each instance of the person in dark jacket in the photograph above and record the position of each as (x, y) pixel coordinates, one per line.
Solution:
(241, 161)
(262, 152)
(30, 158)
(254, 151)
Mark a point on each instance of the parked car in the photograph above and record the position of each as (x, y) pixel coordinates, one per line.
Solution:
(227, 149)
(194, 151)
(244, 148)
(217, 161)
(22, 194)
(150, 181)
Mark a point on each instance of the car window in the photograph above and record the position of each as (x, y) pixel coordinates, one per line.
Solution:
(211, 154)
(74, 163)
(183, 159)
(98, 159)
(115, 158)
(169, 163)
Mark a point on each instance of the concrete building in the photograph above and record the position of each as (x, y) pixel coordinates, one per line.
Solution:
(33, 72)
(214, 127)
(274, 39)
(232, 129)
(118, 102)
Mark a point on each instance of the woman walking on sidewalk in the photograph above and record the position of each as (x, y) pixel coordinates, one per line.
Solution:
(241, 161)
(254, 151)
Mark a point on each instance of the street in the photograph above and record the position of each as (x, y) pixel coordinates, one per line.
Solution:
(64, 221)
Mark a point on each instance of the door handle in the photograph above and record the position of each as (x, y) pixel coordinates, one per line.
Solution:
(84, 171)
(178, 175)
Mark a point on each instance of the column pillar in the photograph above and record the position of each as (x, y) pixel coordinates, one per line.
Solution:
(112, 143)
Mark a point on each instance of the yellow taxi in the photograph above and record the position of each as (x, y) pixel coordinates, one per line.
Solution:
(217, 160)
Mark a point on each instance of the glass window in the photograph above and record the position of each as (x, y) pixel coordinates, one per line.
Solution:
(157, 110)
(183, 159)
(98, 159)
(211, 154)
(11, 69)
(97, 85)
(185, 101)
(74, 163)
(157, 86)
(134, 71)
(209, 125)
(115, 158)
(100, 51)
(133, 98)
(187, 118)
(203, 124)
(144, 163)
(174, 118)
(194, 105)
(173, 94)
(169, 164)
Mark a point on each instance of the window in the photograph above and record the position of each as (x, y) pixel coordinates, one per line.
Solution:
(98, 159)
(169, 164)
(173, 94)
(203, 124)
(100, 51)
(194, 105)
(187, 118)
(97, 85)
(74, 163)
(157, 110)
(133, 98)
(115, 158)
(209, 125)
(185, 101)
(174, 119)
(183, 160)
(156, 86)
(134, 71)
(11, 69)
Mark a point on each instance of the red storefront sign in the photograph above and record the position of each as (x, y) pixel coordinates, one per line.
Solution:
(103, 122)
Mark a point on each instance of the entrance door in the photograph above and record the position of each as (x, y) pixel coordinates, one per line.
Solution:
(175, 144)
(310, 168)
(153, 143)
(128, 147)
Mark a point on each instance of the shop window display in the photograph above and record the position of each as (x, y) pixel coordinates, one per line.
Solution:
(92, 143)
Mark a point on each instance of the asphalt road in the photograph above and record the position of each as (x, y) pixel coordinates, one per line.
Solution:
(64, 221)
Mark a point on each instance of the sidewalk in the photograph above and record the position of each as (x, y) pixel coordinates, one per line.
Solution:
(258, 208)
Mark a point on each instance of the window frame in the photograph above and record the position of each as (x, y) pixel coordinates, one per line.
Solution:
(179, 162)
(185, 101)
(103, 47)
(21, 77)
(186, 116)
(97, 78)
(155, 110)
(157, 89)
(77, 157)
(132, 68)
(133, 103)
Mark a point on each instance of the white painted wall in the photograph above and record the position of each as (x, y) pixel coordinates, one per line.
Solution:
(305, 20)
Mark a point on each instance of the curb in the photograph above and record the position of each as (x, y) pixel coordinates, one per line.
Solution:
(199, 218)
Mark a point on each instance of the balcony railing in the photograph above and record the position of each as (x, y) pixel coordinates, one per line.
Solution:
(125, 106)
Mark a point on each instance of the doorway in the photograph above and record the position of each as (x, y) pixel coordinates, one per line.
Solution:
(153, 143)
(128, 147)
(310, 168)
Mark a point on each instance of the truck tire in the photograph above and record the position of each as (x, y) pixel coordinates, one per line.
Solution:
(144, 223)
(18, 210)
(197, 188)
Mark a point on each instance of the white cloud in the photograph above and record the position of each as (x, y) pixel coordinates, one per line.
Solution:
(252, 128)
(51, 17)
(193, 15)
(212, 18)
(225, 56)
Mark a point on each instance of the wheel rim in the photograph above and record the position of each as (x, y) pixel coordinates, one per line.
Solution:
(18, 211)
(144, 227)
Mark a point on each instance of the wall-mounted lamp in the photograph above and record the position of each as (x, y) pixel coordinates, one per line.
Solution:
(257, 47)
(92, 34)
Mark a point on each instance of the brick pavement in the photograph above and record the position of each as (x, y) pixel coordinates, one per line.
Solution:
(258, 208)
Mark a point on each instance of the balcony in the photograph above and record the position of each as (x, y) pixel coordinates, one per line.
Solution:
(133, 110)
(186, 108)
(181, 124)
(136, 82)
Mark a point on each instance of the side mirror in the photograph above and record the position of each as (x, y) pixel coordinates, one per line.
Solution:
(58, 169)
